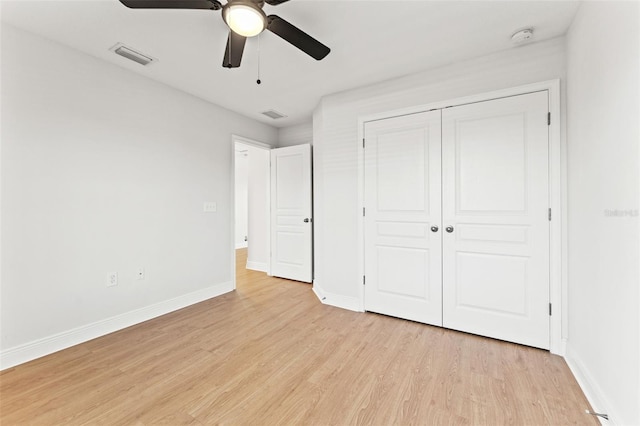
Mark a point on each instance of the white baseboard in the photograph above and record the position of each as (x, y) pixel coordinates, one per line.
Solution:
(257, 266)
(339, 301)
(48, 345)
(318, 292)
(589, 386)
(241, 245)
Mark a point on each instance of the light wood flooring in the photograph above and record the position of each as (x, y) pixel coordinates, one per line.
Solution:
(269, 353)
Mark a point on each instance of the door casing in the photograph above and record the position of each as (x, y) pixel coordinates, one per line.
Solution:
(557, 196)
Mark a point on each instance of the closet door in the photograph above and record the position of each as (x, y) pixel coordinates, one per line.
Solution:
(495, 215)
(403, 263)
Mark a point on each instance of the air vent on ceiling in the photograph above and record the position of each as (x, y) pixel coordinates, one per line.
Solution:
(273, 114)
(132, 54)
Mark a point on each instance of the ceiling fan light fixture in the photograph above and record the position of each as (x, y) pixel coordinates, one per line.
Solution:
(245, 19)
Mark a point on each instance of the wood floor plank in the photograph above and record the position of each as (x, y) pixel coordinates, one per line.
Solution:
(270, 353)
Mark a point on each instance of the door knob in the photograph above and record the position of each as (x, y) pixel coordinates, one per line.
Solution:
(306, 220)
(449, 229)
(434, 229)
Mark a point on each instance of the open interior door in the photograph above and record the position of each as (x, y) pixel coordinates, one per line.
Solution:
(291, 207)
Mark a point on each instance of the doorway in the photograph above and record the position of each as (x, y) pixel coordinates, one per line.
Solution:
(252, 202)
(272, 208)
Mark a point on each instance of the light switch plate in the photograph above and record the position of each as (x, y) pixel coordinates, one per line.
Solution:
(210, 206)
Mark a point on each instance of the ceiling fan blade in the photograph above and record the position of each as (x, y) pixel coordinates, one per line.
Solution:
(172, 4)
(297, 37)
(275, 2)
(233, 52)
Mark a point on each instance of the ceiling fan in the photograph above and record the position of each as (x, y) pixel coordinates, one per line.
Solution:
(245, 18)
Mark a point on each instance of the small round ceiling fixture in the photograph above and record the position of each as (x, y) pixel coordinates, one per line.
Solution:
(522, 36)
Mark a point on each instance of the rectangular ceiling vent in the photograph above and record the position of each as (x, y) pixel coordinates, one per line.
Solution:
(273, 114)
(132, 54)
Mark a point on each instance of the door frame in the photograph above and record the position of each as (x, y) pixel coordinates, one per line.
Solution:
(558, 288)
(232, 200)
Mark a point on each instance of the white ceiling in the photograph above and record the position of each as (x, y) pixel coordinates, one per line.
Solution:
(370, 41)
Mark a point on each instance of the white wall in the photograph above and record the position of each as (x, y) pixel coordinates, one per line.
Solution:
(258, 202)
(603, 94)
(241, 197)
(336, 146)
(104, 170)
(296, 135)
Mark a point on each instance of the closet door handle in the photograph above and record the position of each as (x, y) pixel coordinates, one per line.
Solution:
(307, 220)
(434, 229)
(449, 229)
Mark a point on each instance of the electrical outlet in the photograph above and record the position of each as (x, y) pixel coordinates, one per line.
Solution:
(210, 206)
(140, 273)
(112, 279)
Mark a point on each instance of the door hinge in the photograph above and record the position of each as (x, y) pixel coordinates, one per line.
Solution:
(363, 212)
(364, 280)
(548, 119)
(363, 142)
(550, 309)
(549, 214)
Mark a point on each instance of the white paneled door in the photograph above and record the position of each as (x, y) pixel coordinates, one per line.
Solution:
(291, 227)
(495, 203)
(456, 221)
(402, 219)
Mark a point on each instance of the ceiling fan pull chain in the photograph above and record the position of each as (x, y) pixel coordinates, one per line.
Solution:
(258, 80)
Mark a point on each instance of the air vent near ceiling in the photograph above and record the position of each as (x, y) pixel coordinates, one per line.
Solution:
(132, 54)
(273, 114)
